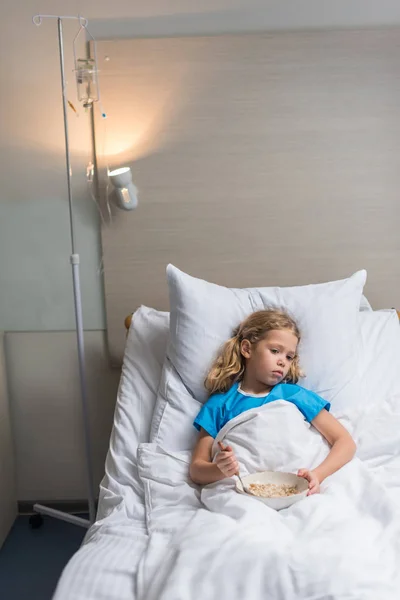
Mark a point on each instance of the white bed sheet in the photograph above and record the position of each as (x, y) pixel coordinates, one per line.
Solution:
(105, 565)
(342, 544)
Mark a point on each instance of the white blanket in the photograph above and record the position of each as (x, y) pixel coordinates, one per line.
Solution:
(215, 543)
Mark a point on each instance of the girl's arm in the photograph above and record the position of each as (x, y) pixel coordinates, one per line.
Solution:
(202, 471)
(342, 450)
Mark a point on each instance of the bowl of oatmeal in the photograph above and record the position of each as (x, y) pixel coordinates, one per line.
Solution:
(276, 490)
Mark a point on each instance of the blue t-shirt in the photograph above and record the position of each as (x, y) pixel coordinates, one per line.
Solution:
(221, 408)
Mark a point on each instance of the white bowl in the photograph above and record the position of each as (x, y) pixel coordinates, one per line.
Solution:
(277, 478)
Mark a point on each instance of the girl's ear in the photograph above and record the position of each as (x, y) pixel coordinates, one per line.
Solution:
(245, 348)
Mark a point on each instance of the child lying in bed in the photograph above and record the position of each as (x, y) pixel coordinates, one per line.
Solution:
(258, 365)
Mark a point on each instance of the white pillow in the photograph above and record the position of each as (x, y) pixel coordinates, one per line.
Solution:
(364, 304)
(380, 363)
(144, 355)
(174, 413)
(121, 488)
(379, 366)
(376, 417)
(203, 316)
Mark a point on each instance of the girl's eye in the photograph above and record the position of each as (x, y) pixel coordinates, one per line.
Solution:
(290, 358)
(274, 351)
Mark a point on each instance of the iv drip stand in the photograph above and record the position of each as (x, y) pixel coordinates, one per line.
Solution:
(74, 259)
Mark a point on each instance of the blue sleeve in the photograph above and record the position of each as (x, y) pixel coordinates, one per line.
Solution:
(308, 402)
(210, 415)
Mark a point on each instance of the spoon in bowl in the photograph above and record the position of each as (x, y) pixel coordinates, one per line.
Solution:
(245, 489)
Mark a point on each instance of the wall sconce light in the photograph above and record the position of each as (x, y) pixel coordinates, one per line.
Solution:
(125, 190)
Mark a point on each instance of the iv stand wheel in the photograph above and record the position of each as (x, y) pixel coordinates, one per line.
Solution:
(36, 521)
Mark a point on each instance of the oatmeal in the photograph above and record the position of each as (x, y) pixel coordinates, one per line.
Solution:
(272, 490)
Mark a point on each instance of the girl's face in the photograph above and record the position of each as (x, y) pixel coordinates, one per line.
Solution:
(268, 361)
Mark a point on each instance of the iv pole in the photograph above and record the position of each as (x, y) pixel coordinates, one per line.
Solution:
(74, 260)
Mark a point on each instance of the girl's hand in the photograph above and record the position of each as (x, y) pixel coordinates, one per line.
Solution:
(226, 461)
(313, 481)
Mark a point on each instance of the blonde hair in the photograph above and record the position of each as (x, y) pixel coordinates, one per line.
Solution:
(230, 364)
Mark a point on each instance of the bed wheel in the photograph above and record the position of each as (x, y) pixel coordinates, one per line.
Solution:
(36, 521)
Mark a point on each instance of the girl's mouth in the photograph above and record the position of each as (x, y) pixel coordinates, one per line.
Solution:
(278, 373)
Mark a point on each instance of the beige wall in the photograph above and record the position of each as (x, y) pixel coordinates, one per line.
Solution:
(202, 17)
(46, 411)
(35, 290)
(35, 276)
(8, 503)
(262, 159)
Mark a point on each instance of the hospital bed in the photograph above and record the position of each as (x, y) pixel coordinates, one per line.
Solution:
(150, 536)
